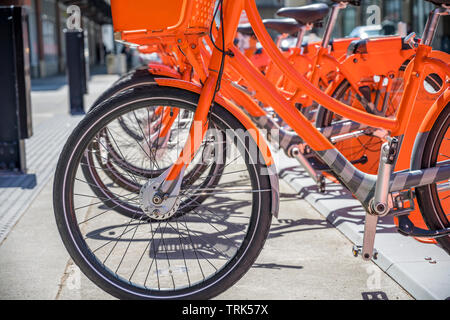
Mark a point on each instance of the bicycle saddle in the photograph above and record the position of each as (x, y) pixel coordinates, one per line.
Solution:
(246, 29)
(440, 2)
(312, 13)
(356, 3)
(289, 26)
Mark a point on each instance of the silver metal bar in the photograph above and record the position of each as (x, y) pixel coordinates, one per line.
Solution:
(341, 127)
(331, 23)
(300, 36)
(417, 178)
(241, 88)
(431, 26)
(347, 136)
(443, 187)
(380, 206)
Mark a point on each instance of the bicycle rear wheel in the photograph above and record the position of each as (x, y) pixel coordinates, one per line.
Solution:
(194, 255)
(434, 199)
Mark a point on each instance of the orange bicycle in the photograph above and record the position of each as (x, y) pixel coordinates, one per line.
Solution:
(355, 76)
(358, 143)
(175, 247)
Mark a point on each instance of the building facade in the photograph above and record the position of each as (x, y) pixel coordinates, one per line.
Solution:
(411, 13)
(47, 21)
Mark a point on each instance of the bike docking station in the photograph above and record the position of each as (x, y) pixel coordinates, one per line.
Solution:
(77, 66)
(15, 86)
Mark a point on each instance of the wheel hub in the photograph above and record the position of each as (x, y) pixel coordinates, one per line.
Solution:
(156, 205)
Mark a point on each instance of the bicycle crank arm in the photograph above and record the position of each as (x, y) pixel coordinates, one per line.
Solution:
(370, 229)
(407, 228)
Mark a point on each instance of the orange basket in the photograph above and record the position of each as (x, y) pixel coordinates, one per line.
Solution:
(146, 19)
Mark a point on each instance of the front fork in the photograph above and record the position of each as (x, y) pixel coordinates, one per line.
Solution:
(197, 133)
(231, 15)
(160, 196)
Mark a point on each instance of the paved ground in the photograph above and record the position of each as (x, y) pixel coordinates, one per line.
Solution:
(305, 257)
(51, 127)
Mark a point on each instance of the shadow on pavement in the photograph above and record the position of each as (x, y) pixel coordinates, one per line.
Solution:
(352, 214)
(58, 81)
(48, 84)
(275, 266)
(25, 181)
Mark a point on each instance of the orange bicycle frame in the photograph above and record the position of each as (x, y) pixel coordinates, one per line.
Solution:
(398, 126)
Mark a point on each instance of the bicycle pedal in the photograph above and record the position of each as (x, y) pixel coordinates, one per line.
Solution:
(357, 251)
(362, 160)
(321, 184)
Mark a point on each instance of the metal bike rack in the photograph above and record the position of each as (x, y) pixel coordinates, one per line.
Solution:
(76, 70)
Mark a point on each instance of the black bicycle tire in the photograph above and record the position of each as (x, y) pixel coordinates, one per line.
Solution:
(427, 196)
(238, 266)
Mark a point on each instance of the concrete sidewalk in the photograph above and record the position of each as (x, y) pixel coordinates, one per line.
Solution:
(32, 256)
(51, 126)
(305, 257)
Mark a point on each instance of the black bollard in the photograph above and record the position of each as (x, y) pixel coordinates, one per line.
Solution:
(76, 70)
(85, 66)
(15, 88)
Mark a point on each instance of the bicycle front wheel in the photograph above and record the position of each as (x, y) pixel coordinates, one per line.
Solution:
(194, 254)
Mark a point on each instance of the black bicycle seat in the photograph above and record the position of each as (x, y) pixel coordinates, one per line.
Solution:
(356, 3)
(440, 2)
(246, 29)
(289, 26)
(312, 13)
